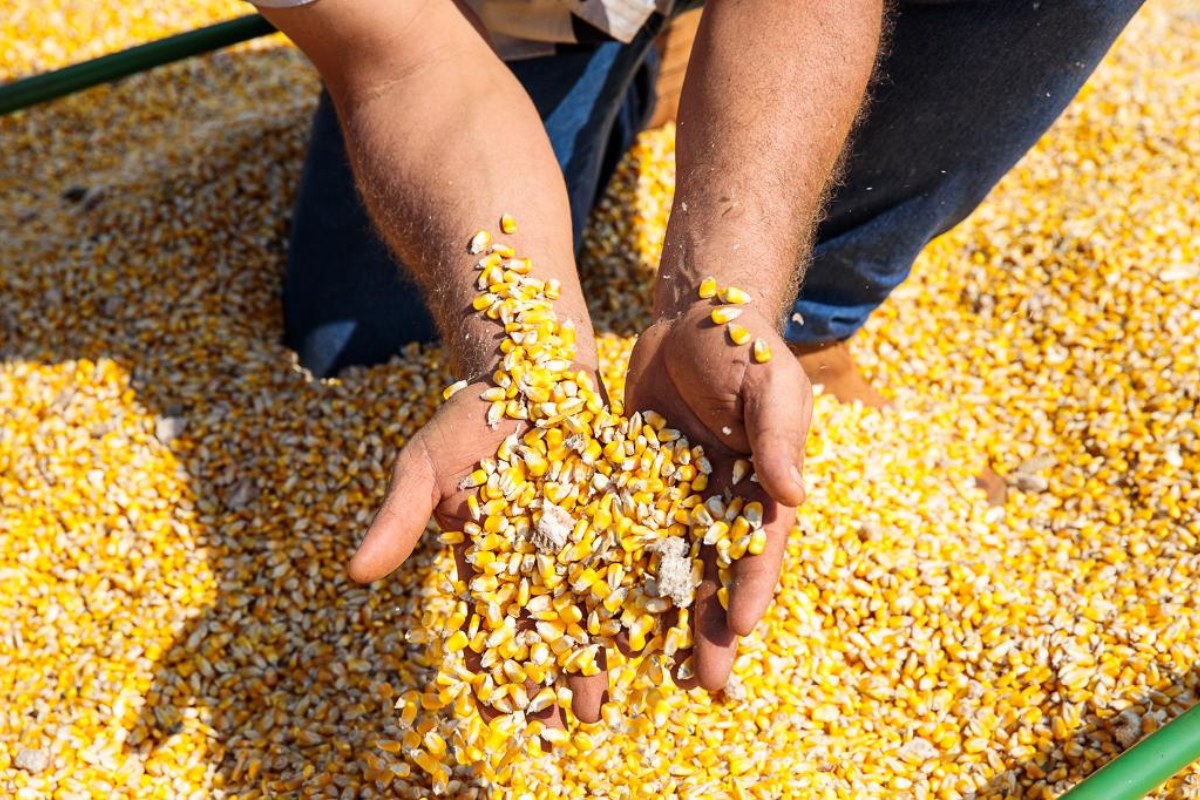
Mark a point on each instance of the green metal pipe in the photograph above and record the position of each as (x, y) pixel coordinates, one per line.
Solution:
(77, 77)
(1147, 765)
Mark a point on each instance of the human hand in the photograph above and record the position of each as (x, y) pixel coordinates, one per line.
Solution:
(427, 480)
(687, 369)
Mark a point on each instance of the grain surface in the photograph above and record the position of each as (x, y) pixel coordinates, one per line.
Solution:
(179, 500)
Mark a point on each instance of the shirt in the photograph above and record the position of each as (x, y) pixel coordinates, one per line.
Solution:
(529, 28)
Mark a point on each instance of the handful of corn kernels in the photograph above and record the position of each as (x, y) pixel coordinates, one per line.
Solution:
(586, 525)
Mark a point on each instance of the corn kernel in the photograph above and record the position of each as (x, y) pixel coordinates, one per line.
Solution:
(724, 314)
(734, 296)
(762, 351)
(479, 243)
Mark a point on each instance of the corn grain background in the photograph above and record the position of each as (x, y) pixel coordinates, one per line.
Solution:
(178, 500)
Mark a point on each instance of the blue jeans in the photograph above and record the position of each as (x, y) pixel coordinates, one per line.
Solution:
(966, 88)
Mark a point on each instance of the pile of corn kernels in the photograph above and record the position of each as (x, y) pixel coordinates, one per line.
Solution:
(178, 500)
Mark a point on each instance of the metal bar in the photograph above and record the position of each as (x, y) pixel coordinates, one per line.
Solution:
(77, 77)
(1147, 765)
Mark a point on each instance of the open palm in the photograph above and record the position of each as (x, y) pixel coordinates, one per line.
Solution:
(427, 480)
(687, 369)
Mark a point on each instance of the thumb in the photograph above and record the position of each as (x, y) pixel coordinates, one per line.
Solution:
(402, 518)
(776, 418)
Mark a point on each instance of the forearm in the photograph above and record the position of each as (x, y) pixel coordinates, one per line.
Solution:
(431, 180)
(771, 94)
(443, 139)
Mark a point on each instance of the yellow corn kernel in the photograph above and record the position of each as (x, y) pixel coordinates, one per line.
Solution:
(762, 351)
(708, 288)
(535, 463)
(724, 314)
(477, 477)
(543, 699)
(479, 242)
(734, 296)
(758, 542)
(488, 263)
(508, 224)
(737, 333)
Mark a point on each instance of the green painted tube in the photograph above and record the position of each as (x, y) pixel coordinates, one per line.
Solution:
(1147, 765)
(77, 77)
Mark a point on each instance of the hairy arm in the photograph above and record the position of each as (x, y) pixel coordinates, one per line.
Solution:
(771, 93)
(442, 139)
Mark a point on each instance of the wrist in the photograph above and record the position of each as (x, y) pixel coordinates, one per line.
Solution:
(474, 345)
(768, 275)
(677, 299)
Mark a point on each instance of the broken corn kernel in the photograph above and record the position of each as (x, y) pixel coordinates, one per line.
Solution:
(479, 243)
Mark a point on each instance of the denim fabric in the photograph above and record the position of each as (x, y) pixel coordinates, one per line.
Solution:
(967, 87)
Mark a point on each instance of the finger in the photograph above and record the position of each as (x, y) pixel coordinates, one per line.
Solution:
(601, 389)
(472, 660)
(691, 681)
(668, 620)
(401, 519)
(589, 693)
(486, 712)
(551, 716)
(777, 415)
(621, 640)
(463, 569)
(756, 577)
(714, 643)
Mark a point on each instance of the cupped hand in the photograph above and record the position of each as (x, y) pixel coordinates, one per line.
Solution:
(427, 480)
(688, 369)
